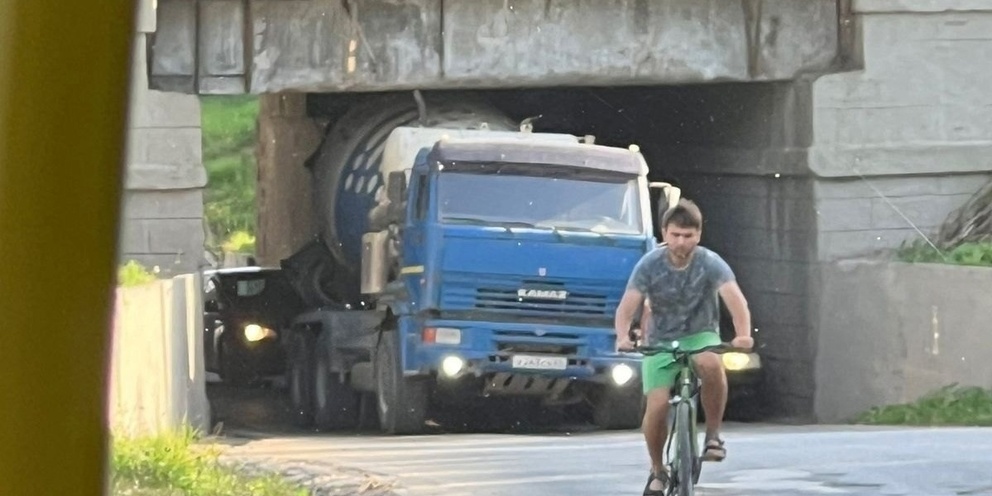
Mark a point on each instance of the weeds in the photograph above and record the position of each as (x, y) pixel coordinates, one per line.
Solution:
(973, 254)
(133, 274)
(175, 465)
(950, 405)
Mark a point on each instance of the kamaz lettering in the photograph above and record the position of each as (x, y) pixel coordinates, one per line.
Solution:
(543, 294)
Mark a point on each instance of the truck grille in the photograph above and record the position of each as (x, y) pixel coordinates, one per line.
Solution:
(502, 296)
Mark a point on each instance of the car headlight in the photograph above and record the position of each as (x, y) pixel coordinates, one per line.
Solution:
(622, 374)
(735, 361)
(255, 332)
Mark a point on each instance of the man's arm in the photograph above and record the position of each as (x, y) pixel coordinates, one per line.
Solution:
(737, 305)
(630, 304)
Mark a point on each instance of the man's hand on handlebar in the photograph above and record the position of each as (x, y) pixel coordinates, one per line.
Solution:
(743, 342)
(626, 343)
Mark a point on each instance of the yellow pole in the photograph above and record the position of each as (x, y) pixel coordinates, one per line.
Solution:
(63, 95)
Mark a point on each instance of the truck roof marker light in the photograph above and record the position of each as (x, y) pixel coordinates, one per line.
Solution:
(635, 148)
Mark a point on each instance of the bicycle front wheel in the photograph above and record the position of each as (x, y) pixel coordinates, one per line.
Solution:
(684, 450)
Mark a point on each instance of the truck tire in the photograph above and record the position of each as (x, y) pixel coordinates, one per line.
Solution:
(335, 404)
(400, 401)
(618, 408)
(300, 375)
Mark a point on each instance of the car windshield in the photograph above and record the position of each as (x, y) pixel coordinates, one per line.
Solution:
(602, 204)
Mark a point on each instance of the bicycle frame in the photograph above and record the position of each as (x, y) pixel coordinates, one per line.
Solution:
(682, 423)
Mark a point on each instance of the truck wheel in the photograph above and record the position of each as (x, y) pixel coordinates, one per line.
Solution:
(300, 376)
(401, 401)
(619, 408)
(335, 404)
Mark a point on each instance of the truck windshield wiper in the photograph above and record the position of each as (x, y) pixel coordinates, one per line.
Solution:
(505, 224)
(583, 230)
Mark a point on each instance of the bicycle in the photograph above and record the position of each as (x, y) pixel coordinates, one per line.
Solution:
(685, 460)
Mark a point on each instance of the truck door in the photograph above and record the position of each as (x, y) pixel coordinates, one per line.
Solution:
(414, 233)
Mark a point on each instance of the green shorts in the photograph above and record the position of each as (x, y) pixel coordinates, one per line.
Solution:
(659, 371)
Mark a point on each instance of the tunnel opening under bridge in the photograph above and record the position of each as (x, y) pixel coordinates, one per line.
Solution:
(736, 149)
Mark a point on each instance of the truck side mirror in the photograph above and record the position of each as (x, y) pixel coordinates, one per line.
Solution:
(396, 187)
(396, 194)
(668, 197)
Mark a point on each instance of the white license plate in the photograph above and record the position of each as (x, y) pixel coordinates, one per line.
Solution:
(540, 362)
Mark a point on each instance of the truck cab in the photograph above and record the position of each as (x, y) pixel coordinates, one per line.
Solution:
(501, 258)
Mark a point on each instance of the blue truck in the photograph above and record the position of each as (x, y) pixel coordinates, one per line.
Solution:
(491, 263)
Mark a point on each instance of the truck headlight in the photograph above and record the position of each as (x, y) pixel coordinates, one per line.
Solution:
(452, 365)
(734, 361)
(255, 332)
(622, 374)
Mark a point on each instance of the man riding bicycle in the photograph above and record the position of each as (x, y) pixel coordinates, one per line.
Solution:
(676, 288)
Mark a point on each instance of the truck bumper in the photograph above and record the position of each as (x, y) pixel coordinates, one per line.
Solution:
(490, 348)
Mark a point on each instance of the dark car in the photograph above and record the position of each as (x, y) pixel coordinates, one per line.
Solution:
(244, 310)
(745, 375)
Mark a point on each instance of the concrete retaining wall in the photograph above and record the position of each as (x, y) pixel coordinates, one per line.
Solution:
(892, 332)
(903, 142)
(157, 377)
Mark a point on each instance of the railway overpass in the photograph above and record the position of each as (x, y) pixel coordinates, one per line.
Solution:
(809, 131)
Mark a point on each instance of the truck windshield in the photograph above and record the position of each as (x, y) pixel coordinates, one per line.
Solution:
(600, 204)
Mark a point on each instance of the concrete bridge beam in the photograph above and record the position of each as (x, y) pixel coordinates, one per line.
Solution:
(264, 46)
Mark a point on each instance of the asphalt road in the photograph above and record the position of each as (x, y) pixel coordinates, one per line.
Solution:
(520, 452)
(765, 460)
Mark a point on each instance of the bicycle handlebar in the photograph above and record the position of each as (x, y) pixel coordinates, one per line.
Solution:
(717, 348)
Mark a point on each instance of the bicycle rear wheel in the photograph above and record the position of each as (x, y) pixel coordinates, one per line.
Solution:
(684, 455)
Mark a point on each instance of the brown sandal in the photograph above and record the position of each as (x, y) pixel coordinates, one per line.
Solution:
(665, 481)
(714, 451)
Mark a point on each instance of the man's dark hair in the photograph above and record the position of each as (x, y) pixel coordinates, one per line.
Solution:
(686, 215)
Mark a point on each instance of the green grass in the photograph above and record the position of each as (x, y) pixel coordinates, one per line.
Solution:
(133, 274)
(972, 254)
(229, 158)
(228, 124)
(177, 465)
(949, 406)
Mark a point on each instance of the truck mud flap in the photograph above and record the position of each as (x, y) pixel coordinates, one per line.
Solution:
(505, 383)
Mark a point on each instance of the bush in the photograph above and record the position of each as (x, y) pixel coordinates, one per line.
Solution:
(240, 242)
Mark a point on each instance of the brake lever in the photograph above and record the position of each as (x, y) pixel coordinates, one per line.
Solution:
(634, 339)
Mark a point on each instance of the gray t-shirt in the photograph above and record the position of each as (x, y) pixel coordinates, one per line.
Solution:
(683, 301)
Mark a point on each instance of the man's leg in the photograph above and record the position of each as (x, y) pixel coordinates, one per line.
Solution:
(714, 398)
(655, 428)
(658, 375)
